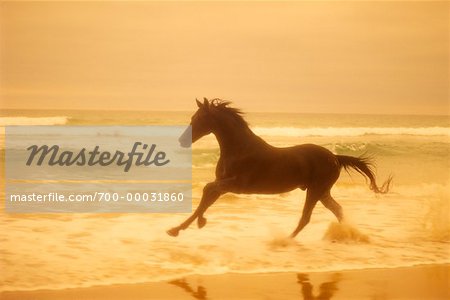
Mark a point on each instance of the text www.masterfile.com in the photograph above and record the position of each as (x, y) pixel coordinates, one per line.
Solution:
(98, 197)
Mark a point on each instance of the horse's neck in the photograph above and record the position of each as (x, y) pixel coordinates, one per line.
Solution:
(233, 141)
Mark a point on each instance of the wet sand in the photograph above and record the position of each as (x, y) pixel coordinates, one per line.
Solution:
(419, 282)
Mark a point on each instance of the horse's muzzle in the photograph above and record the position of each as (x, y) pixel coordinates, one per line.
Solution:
(184, 142)
(185, 139)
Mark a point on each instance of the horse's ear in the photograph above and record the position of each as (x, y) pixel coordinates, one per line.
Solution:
(205, 103)
(199, 104)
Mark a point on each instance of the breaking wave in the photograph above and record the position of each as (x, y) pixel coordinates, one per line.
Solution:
(61, 120)
(351, 131)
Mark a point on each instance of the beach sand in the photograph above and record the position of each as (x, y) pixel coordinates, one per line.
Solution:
(418, 282)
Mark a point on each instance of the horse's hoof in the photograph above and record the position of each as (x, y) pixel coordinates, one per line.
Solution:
(173, 232)
(201, 222)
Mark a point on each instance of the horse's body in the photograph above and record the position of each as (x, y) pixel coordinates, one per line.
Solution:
(269, 170)
(249, 165)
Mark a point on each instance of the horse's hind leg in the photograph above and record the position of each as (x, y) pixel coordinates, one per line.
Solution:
(311, 199)
(332, 205)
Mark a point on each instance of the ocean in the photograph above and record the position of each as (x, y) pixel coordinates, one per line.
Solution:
(247, 233)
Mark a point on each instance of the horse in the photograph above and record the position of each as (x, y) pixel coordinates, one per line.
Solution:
(249, 165)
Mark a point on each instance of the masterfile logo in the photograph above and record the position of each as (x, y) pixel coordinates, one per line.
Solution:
(91, 158)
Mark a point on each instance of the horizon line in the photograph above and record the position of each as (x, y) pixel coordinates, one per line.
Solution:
(245, 112)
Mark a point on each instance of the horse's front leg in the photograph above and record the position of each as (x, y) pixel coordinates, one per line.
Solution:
(211, 192)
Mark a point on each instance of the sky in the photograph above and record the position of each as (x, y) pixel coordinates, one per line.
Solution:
(307, 57)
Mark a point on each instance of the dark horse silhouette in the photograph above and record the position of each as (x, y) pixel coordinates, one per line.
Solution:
(249, 165)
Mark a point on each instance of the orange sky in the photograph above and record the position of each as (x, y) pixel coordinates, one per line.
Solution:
(323, 57)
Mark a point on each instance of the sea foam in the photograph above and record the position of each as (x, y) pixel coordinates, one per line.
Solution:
(351, 131)
(60, 120)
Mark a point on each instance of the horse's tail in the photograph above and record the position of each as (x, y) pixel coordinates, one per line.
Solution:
(364, 166)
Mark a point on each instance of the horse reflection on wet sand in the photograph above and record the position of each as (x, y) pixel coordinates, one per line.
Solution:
(326, 290)
(199, 294)
(249, 165)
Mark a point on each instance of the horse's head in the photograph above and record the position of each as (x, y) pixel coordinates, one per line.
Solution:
(201, 122)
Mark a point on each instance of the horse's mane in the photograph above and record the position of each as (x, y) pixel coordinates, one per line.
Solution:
(223, 107)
